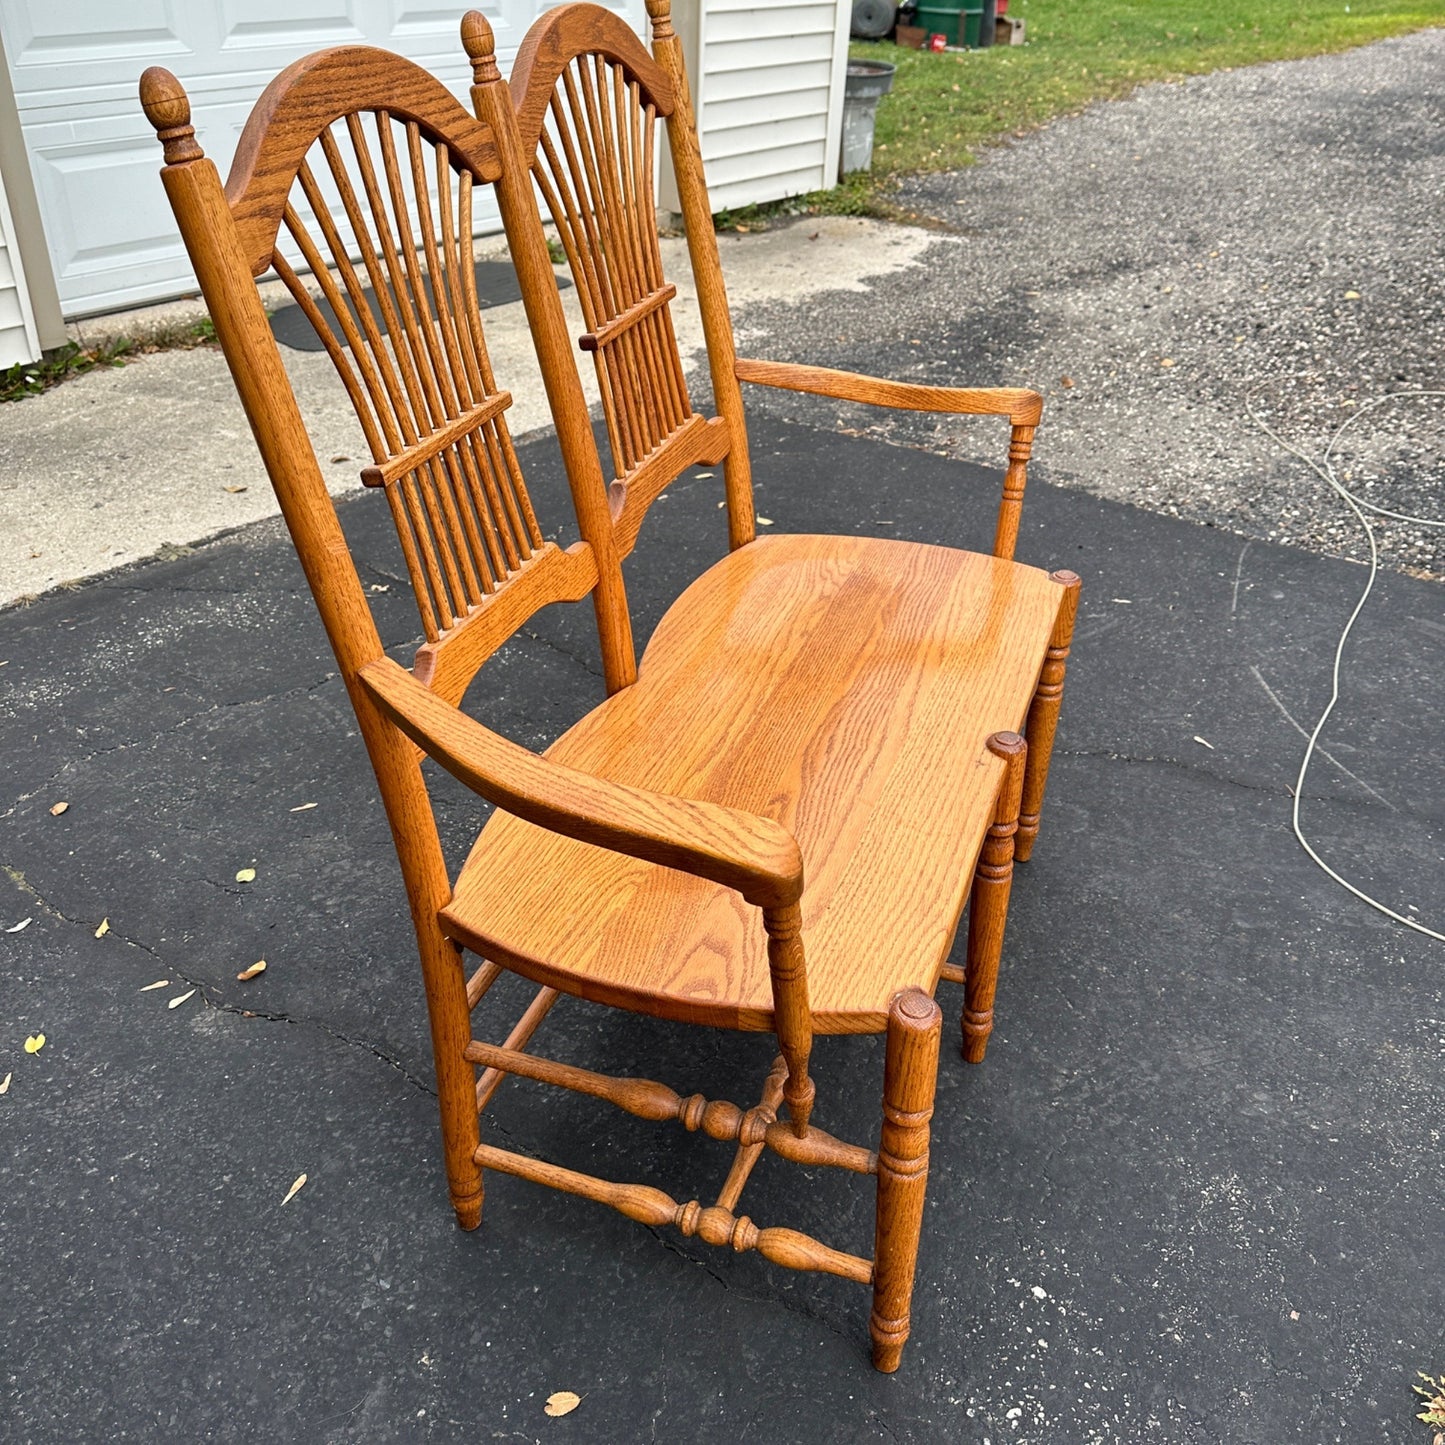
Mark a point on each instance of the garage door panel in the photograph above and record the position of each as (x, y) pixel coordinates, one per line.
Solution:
(75, 65)
(262, 24)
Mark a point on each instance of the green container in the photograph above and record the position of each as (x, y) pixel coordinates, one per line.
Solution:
(958, 24)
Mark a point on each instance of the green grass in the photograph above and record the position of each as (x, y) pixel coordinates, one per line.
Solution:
(945, 108)
(29, 378)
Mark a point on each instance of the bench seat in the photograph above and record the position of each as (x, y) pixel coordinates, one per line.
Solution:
(842, 686)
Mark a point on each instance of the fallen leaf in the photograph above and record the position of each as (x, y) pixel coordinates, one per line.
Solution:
(1352, 295)
(34, 1043)
(179, 999)
(258, 967)
(1066, 381)
(1125, 601)
(1294, 1314)
(303, 808)
(235, 489)
(562, 1403)
(58, 808)
(103, 929)
(380, 587)
(765, 521)
(1204, 743)
(295, 1189)
(159, 983)
(246, 875)
(702, 475)
(21, 926)
(5, 1084)
(1166, 361)
(743, 229)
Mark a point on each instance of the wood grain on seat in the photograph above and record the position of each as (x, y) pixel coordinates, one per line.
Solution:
(843, 686)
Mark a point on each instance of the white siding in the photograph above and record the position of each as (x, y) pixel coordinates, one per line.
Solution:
(768, 80)
(18, 338)
(96, 163)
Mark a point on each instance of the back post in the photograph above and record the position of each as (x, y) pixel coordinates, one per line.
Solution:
(208, 229)
(492, 103)
(717, 324)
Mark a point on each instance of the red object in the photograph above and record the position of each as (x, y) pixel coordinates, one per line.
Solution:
(938, 42)
(1000, 7)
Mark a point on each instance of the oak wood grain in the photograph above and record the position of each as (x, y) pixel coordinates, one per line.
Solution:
(843, 688)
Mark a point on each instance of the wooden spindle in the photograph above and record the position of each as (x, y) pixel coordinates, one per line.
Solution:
(787, 1247)
(988, 903)
(1010, 508)
(792, 1017)
(748, 1154)
(1044, 715)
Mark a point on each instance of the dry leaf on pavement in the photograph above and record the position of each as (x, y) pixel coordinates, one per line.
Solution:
(159, 983)
(179, 999)
(57, 809)
(562, 1403)
(258, 967)
(5, 1084)
(246, 875)
(21, 926)
(303, 808)
(103, 929)
(34, 1043)
(295, 1189)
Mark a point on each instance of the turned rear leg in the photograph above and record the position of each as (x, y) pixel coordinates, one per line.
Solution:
(910, 1076)
(988, 904)
(1044, 716)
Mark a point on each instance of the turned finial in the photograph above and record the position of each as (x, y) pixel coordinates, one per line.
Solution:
(660, 13)
(1006, 745)
(481, 45)
(168, 108)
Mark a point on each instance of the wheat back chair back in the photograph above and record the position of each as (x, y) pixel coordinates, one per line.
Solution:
(359, 167)
(589, 98)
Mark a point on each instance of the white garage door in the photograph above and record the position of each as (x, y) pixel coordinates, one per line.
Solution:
(75, 65)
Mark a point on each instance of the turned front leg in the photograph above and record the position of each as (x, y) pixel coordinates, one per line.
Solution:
(1044, 715)
(910, 1075)
(988, 904)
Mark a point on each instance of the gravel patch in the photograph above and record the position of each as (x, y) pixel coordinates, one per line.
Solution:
(1268, 235)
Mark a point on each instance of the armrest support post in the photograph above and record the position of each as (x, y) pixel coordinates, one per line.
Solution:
(1010, 507)
(1021, 406)
(792, 1017)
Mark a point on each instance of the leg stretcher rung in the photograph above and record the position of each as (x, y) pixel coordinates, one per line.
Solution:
(749, 1154)
(715, 1225)
(490, 1080)
(647, 1099)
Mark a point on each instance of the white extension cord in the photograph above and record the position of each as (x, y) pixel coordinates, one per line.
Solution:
(1358, 505)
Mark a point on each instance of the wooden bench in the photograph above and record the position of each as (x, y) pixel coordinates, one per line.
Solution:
(774, 821)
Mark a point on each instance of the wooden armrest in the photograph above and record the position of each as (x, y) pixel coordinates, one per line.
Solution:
(1020, 406)
(754, 855)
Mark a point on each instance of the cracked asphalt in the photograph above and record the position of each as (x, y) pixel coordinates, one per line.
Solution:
(1193, 1194)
